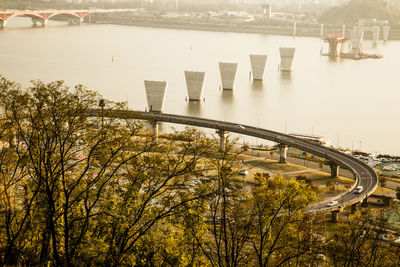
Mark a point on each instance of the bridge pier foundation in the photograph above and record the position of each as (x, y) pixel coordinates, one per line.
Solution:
(154, 126)
(334, 170)
(43, 22)
(335, 215)
(3, 24)
(364, 202)
(282, 153)
(221, 134)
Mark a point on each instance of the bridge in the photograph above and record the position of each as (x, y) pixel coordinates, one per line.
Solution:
(364, 174)
(42, 16)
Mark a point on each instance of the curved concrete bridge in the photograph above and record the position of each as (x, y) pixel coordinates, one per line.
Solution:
(364, 175)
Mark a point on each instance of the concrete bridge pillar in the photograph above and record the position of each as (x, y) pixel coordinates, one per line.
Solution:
(321, 30)
(154, 126)
(335, 215)
(294, 28)
(364, 202)
(258, 66)
(375, 34)
(194, 84)
(3, 24)
(228, 73)
(334, 170)
(155, 92)
(287, 54)
(343, 30)
(385, 32)
(221, 134)
(35, 21)
(282, 153)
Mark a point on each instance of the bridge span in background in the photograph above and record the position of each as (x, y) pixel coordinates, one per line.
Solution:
(42, 16)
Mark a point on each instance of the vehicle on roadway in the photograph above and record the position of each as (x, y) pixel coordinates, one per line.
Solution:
(332, 203)
(359, 189)
(240, 126)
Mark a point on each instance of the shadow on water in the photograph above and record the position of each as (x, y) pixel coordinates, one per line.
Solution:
(227, 96)
(257, 85)
(334, 59)
(286, 75)
(193, 108)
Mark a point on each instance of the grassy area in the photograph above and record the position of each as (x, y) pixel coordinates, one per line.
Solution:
(275, 167)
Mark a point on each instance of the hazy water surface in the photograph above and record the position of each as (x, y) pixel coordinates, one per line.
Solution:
(355, 103)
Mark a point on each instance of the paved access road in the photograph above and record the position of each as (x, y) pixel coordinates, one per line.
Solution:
(364, 175)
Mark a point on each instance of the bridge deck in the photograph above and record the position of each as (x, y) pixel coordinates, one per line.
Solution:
(364, 175)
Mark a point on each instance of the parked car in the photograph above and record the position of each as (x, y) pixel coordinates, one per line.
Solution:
(359, 189)
(332, 203)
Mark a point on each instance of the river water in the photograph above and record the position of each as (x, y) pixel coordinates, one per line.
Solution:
(353, 104)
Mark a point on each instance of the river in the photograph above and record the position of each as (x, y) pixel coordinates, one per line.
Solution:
(354, 104)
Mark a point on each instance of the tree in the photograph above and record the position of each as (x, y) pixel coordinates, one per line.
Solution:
(156, 186)
(227, 220)
(68, 162)
(281, 229)
(358, 241)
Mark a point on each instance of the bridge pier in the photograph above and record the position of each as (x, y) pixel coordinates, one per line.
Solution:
(221, 134)
(294, 28)
(321, 30)
(282, 153)
(3, 24)
(35, 21)
(334, 170)
(364, 202)
(154, 126)
(335, 216)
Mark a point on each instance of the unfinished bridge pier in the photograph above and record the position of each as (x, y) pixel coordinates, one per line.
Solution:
(228, 74)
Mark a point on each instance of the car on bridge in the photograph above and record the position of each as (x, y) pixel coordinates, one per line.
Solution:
(332, 203)
(359, 189)
(240, 126)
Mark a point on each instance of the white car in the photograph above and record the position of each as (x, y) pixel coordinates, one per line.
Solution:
(240, 126)
(332, 203)
(358, 189)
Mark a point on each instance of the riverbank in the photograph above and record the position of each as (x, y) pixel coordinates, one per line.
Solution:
(238, 28)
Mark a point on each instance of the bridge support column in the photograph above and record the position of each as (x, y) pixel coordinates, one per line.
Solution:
(154, 126)
(335, 215)
(221, 134)
(354, 208)
(321, 30)
(282, 153)
(3, 24)
(364, 202)
(35, 21)
(294, 28)
(334, 170)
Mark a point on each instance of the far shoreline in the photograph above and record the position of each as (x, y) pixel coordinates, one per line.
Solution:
(274, 30)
